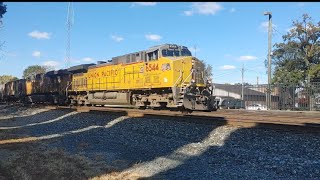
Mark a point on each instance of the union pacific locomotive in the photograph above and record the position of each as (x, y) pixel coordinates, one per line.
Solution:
(164, 76)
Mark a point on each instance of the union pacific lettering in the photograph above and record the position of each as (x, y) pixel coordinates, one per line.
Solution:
(103, 74)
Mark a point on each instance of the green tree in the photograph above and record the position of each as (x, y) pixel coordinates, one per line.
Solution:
(207, 70)
(244, 84)
(315, 71)
(298, 56)
(6, 78)
(33, 70)
(3, 10)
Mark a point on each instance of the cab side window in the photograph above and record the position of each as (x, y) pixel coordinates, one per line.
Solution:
(164, 53)
(152, 56)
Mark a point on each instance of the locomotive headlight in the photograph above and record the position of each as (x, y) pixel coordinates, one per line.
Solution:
(193, 62)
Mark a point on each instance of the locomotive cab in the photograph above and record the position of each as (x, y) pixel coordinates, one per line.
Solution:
(197, 93)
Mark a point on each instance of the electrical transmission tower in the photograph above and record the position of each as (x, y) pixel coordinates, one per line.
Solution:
(70, 21)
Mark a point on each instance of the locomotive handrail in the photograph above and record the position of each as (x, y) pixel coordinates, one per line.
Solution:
(67, 88)
(178, 79)
(188, 76)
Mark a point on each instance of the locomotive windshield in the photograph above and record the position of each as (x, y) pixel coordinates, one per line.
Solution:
(170, 52)
(185, 52)
(176, 52)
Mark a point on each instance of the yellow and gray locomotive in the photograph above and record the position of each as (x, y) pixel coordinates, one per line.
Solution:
(164, 76)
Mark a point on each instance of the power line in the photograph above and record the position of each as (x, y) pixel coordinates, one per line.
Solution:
(277, 31)
(258, 72)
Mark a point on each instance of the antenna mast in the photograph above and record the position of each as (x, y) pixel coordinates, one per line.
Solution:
(70, 20)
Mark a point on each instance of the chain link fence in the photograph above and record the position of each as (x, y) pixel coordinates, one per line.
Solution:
(283, 97)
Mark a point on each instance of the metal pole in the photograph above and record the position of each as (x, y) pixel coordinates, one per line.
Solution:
(269, 59)
(242, 70)
(308, 71)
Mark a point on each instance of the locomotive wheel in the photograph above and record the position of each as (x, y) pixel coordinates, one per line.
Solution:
(142, 107)
(186, 111)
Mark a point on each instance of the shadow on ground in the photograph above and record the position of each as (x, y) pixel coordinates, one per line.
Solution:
(108, 145)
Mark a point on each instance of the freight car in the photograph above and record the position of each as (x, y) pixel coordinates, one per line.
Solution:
(164, 76)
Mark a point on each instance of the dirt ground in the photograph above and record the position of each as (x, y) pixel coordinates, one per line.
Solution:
(25, 158)
(64, 144)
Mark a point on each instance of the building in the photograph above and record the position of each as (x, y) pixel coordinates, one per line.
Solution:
(251, 95)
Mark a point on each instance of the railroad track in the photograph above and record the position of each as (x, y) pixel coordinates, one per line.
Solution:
(232, 117)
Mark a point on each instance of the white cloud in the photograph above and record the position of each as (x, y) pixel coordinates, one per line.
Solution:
(265, 25)
(206, 8)
(188, 13)
(247, 58)
(192, 49)
(74, 61)
(227, 67)
(51, 64)
(87, 59)
(10, 54)
(117, 38)
(36, 53)
(232, 10)
(40, 35)
(301, 4)
(153, 37)
(82, 60)
(145, 3)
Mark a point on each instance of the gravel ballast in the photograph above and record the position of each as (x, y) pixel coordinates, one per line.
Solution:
(167, 149)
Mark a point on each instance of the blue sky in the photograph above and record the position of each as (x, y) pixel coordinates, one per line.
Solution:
(226, 35)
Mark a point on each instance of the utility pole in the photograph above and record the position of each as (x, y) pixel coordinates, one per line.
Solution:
(195, 50)
(257, 80)
(269, 59)
(308, 70)
(242, 72)
(307, 62)
(70, 20)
